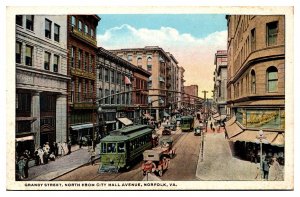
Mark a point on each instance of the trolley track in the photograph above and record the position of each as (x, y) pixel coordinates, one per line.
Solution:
(135, 173)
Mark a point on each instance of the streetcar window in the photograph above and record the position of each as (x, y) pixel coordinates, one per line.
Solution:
(111, 147)
(121, 147)
(103, 147)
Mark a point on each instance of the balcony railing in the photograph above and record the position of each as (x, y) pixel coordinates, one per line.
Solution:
(85, 37)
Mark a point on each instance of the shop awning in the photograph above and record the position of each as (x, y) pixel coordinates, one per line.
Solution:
(82, 126)
(166, 114)
(148, 116)
(233, 130)
(279, 140)
(230, 121)
(216, 115)
(26, 138)
(26, 118)
(252, 136)
(125, 121)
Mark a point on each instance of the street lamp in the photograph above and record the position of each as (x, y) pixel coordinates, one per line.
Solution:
(261, 139)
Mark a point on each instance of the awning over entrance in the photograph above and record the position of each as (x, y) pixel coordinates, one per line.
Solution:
(26, 118)
(148, 116)
(233, 130)
(252, 136)
(230, 121)
(279, 140)
(166, 114)
(82, 126)
(216, 115)
(125, 121)
(26, 138)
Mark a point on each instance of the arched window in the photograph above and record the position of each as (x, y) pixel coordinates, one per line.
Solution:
(112, 98)
(253, 82)
(272, 79)
(139, 62)
(149, 64)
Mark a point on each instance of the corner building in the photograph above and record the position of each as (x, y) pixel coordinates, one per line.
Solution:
(82, 48)
(256, 90)
(41, 81)
(158, 62)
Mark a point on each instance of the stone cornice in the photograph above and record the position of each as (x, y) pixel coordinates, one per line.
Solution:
(42, 72)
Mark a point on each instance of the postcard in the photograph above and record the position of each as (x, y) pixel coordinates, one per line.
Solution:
(150, 98)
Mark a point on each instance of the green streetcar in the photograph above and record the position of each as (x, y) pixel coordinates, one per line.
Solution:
(187, 123)
(123, 147)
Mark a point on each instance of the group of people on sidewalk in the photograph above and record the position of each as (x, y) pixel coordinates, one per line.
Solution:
(269, 165)
(41, 156)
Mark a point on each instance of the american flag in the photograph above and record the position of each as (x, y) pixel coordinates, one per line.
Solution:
(127, 81)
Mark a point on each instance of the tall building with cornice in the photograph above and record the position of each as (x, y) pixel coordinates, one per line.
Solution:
(82, 48)
(41, 80)
(156, 61)
(256, 83)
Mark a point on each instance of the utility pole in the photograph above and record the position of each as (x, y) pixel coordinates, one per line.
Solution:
(206, 122)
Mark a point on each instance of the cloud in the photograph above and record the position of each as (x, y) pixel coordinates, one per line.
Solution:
(196, 55)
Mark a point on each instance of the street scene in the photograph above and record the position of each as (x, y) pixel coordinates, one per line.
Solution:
(150, 97)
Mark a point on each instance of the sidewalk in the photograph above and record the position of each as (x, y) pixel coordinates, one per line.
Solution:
(61, 165)
(218, 163)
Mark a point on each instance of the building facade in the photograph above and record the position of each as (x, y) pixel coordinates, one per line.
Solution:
(172, 84)
(220, 81)
(256, 83)
(82, 48)
(181, 81)
(191, 92)
(156, 61)
(121, 90)
(41, 80)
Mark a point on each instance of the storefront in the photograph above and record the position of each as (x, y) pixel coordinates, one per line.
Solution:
(245, 142)
(82, 133)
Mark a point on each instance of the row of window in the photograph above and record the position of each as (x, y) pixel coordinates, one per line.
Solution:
(271, 82)
(84, 91)
(49, 59)
(250, 46)
(79, 25)
(111, 76)
(81, 59)
(116, 99)
(29, 20)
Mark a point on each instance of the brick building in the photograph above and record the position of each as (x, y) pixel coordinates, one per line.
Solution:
(156, 61)
(82, 47)
(256, 83)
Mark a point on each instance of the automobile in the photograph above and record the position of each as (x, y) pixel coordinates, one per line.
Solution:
(166, 132)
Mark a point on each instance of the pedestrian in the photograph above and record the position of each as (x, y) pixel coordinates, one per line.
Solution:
(52, 156)
(41, 154)
(276, 169)
(21, 165)
(36, 157)
(26, 159)
(69, 147)
(258, 173)
(92, 157)
(55, 149)
(211, 125)
(266, 168)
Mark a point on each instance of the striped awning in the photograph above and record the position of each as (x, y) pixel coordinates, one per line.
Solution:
(279, 140)
(125, 121)
(233, 130)
(230, 121)
(252, 136)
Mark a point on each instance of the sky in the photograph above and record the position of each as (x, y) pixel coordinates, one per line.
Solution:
(193, 39)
